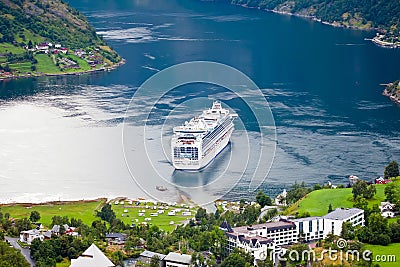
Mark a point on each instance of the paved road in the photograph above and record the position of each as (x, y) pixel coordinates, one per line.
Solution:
(265, 211)
(26, 252)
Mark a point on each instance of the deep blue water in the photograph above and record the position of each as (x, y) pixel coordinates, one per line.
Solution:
(322, 84)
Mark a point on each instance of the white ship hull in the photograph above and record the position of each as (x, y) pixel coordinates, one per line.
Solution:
(188, 164)
(199, 141)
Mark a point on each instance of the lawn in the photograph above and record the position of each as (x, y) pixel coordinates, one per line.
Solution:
(385, 251)
(64, 263)
(86, 212)
(162, 220)
(22, 67)
(79, 210)
(6, 48)
(317, 202)
(45, 64)
(83, 65)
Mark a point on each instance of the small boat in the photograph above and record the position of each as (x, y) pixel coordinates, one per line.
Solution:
(161, 188)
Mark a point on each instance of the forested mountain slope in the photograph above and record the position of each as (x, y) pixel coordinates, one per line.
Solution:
(381, 14)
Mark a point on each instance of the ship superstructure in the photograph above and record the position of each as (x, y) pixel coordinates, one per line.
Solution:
(198, 141)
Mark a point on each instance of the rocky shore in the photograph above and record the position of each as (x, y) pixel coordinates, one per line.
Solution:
(392, 91)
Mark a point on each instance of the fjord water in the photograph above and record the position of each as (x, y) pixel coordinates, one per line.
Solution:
(60, 137)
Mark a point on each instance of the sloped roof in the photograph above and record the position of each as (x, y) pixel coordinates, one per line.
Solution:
(116, 235)
(342, 214)
(225, 226)
(178, 258)
(92, 257)
(151, 254)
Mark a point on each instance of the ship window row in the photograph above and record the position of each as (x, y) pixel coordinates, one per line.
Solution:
(221, 126)
(208, 139)
(186, 152)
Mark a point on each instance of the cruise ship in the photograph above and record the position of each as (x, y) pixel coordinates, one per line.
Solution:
(196, 143)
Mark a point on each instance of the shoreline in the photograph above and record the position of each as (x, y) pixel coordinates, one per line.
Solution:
(394, 99)
(53, 202)
(182, 199)
(333, 24)
(36, 75)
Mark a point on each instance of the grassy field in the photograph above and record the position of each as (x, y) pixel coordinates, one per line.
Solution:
(317, 202)
(64, 263)
(83, 65)
(79, 210)
(22, 67)
(45, 64)
(86, 211)
(162, 220)
(6, 48)
(385, 251)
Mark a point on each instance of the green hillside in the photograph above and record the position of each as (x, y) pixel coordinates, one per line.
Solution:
(40, 20)
(39, 37)
(382, 14)
(317, 202)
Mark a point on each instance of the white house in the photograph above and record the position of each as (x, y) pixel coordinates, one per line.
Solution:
(333, 221)
(92, 257)
(28, 236)
(281, 198)
(174, 259)
(387, 209)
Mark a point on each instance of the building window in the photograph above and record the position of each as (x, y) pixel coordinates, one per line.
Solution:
(310, 226)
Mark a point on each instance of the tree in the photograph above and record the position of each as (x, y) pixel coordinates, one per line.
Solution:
(330, 209)
(7, 68)
(11, 257)
(361, 203)
(200, 214)
(106, 213)
(155, 261)
(392, 170)
(394, 232)
(361, 188)
(263, 199)
(23, 224)
(348, 231)
(296, 192)
(238, 258)
(117, 257)
(270, 214)
(35, 216)
(250, 214)
(376, 231)
(392, 193)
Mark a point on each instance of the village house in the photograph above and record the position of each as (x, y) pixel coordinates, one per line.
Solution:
(387, 209)
(146, 256)
(28, 236)
(174, 259)
(116, 238)
(92, 257)
(67, 230)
